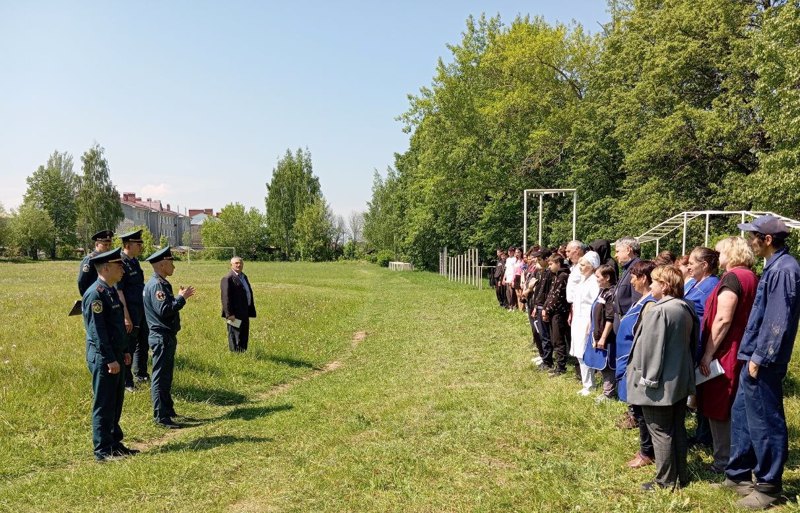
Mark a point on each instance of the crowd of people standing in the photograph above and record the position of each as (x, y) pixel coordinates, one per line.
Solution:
(701, 331)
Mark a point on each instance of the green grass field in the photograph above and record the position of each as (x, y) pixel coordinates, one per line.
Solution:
(363, 390)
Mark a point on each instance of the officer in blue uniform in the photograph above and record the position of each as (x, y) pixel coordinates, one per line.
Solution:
(130, 289)
(162, 310)
(106, 353)
(86, 272)
(759, 436)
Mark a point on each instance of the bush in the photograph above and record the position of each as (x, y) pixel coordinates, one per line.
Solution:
(384, 257)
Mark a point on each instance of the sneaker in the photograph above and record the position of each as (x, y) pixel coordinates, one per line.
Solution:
(584, 392)
(743, 488)
(129, 388)
(759, 500)
(536, 360)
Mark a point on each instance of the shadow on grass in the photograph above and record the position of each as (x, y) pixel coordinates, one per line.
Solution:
(210, 396)
(205, 443)
(201, 367)
(255, 412)
(283, 360)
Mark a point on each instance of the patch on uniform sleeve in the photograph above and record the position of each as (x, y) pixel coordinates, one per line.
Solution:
(86, 268)
(160, 295)
(97, 306)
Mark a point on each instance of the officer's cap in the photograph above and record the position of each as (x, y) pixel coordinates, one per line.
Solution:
(103, 236)
(132, 237)
(107, 257)
(162, 254)
(766, 224)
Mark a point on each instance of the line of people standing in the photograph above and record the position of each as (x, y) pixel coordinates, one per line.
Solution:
(652, 327)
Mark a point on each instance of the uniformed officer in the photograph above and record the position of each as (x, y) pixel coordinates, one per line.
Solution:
(106, 353)
(130, 289)
(86, 272)
(162, 310)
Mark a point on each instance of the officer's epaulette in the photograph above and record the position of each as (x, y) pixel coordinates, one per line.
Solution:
(100, 288)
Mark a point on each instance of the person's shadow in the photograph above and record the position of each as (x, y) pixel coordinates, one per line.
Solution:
(255, 412)
(205, 443)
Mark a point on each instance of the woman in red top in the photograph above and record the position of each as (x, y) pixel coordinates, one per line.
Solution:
(726, 312)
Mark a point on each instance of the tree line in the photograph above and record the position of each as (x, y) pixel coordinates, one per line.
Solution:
(61, 210)
(674, 105)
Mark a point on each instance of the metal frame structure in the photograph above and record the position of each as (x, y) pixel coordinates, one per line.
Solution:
(542, 193)
(681, 220)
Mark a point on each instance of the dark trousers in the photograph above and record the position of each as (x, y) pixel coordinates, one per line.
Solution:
(108, 394)
(137, 347)
(163, 346)
(558, 339)
(238, 337)
(759, 437)
(645, 440)
(667, 426)
(500, 292)
(541, 336)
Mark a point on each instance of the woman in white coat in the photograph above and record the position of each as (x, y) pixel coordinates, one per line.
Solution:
(583, 296)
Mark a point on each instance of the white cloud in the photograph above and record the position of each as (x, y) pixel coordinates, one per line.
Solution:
(155, 191)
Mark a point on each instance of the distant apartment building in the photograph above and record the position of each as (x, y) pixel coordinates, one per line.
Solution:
(197, 218)
(159, 218)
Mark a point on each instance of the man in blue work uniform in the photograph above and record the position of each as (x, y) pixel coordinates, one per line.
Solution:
(86, 272)
(162, 310)
(759, 437)
(130, 289)
(106, 353)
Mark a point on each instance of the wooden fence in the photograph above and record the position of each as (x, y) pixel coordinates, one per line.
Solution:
(463, 268)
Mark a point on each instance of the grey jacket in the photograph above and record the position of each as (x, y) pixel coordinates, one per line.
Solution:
(661, 366)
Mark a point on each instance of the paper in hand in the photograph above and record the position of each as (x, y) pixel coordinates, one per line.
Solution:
(715, 370)
(236, 323)
(77, 308)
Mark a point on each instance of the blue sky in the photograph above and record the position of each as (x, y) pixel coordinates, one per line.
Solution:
(196, 101)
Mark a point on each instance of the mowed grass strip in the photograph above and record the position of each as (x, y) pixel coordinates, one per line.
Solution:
(436, 409)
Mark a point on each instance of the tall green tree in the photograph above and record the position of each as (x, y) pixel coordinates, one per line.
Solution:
(776, 62)
(675, 83)
(99, 205)
(314, 231)
(245, 230)
(292, 188)
(31, 230)
(53, 187)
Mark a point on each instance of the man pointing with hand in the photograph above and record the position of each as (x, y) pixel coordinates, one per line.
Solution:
(162, 310)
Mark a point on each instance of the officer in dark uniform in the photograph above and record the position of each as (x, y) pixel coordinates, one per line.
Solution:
(106, 353)
(86, 272)
(162, 310)
(130, 289)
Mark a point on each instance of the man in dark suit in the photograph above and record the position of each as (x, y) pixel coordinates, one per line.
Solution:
(237, 305)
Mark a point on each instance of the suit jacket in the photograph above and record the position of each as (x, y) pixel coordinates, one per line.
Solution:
(661, 366)
(234, 297)
(625, 296)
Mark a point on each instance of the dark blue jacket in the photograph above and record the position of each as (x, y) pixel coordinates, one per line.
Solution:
(132, 287)
(87, 274)
(161, 307)
(772, 325)
(104, 321)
